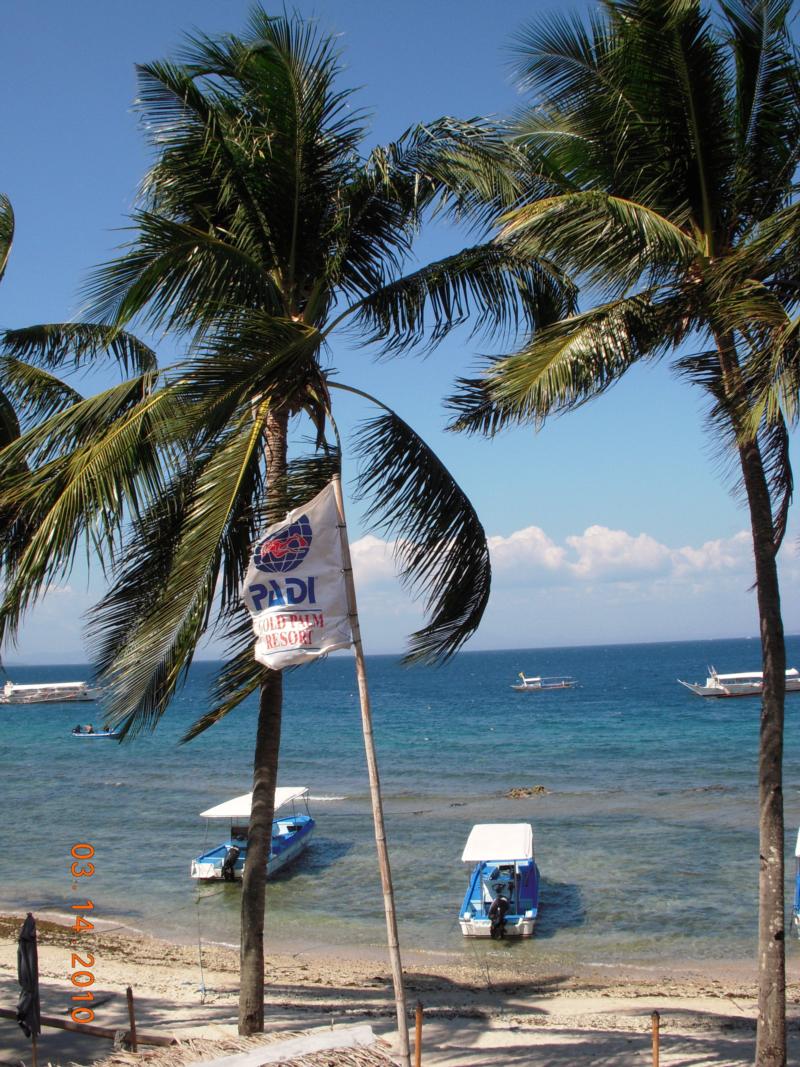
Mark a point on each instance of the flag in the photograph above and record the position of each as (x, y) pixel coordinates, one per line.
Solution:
(295, 589)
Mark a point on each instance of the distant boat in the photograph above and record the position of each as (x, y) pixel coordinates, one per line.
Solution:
(746, 684)
(290, 835)
(538, 684)
(49, 693)
(504, 871)
(89, 732)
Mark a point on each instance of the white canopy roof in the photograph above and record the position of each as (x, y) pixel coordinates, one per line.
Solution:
(239, 807)
(499, 841)
(797, 846)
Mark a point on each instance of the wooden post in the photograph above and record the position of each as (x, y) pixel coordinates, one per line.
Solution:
(656, 1019)
(418, 1036)
(374, 788)
(132, 1018)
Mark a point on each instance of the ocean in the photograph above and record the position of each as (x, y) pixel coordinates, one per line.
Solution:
(645, 834)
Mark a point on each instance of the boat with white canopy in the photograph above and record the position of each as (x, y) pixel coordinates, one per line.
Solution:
(291, 833)
(502, 898)
(744, 684)
(538, 684)
(49, 693)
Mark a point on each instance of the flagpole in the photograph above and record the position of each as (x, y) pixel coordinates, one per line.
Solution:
(374, 787)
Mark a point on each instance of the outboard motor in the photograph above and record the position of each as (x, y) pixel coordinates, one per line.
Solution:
(228, 864)
(497, 916)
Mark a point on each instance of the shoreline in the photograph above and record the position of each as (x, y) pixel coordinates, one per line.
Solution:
(475, 1014)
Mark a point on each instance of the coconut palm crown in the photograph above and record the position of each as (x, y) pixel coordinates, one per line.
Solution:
(661, 150)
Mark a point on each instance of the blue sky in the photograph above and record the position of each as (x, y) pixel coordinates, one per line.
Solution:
(612, 524)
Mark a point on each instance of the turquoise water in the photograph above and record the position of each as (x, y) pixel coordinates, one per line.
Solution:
(646, 839)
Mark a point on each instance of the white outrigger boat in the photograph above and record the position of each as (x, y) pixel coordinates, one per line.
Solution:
(745, 684)
(502, 897)
(290, 835)
(49, 693)
(538, 684)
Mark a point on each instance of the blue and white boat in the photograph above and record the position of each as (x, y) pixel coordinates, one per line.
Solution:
(504, 874)
(88, 732)
(290, 835)
(797, 885)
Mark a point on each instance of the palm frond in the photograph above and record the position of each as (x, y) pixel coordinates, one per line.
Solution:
(440, 542)
(572, 362)
(211, 539)
(6, 231)
(612, 242)
(34, 392)
(9, 423)
(89, 469)
(75, 344)
(767, 104)
(181, 276)
(495, 288)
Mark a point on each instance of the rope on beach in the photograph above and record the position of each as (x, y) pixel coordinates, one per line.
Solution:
(200, 954)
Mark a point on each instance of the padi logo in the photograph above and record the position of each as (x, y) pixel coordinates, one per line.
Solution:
(285, 549)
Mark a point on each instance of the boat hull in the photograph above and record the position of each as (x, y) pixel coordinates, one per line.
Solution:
(740, 689)
(88, 696)
(518, 926)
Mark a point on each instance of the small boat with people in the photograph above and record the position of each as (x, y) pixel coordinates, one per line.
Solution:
(49, 693)
(291, 834)
(502, 898)
(88, 732)
(539, 684)
(744, 684)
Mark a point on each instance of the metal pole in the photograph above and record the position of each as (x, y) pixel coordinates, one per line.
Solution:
(132, 1019)
(418, 1036)
(374, 788)
(656, 1018)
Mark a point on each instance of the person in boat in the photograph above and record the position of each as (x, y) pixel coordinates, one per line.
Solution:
(497, 915)
(88, 729)
(229, 863)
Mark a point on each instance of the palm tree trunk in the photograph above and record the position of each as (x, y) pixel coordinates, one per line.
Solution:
(265, 774)
(259, 838)
(771, 1029)
(771, 1023)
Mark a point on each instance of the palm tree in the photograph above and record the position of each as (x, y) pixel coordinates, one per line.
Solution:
(262, 229)
(661, 151)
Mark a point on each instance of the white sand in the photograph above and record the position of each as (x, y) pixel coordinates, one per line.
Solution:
(599, 1017)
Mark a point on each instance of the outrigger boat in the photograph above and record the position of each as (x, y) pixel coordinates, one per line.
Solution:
(290, 835)
(538, 684)
(746, 684)
(49, 693)
(89, 731)
(502, 898)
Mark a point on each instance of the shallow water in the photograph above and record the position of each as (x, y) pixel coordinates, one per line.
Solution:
(646, 839)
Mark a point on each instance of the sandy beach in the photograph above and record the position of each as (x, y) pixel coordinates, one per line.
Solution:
(472, 1018)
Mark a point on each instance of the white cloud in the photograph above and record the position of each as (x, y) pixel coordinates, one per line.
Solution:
(530, 548)
(614, 555)
(373, 560)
